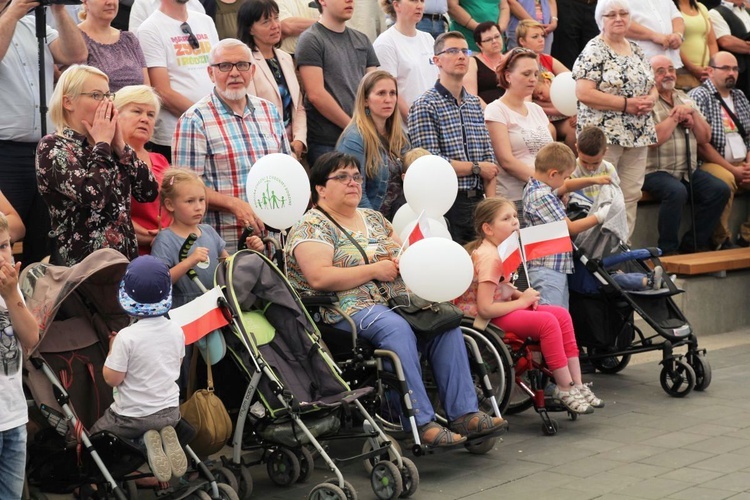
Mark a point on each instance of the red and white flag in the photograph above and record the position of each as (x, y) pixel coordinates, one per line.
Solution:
(421, 229)
(200, 316)
(544, 240)
(510, 253)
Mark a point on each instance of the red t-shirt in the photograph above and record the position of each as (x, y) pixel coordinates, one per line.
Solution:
(147, 214)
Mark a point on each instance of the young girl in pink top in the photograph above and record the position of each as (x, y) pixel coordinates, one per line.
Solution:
(492, 296)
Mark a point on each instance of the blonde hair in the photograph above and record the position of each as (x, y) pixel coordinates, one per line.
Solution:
(4, 225)
(484, 213)
(173, 177)
(395, 139)
(70, 84)
(525, 26)
(554, 155)
(413, 155)
(137, 94)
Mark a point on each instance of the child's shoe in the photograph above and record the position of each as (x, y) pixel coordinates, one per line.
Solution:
(174, 451)
(157, 459)
(657, 278)
(573, 401)
(589, 396)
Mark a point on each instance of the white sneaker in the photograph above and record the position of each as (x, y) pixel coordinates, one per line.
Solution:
(573, 401)
(589, 396)
(174, 452)
(157, 459)
(658, 278)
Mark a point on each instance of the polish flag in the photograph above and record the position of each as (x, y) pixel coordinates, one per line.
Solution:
(421, 229)
(200, 316)
(510, 253)
(547, 239)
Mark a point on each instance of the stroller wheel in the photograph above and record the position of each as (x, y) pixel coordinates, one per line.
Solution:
(386, 481)
(677, 378)
(326, 491)
(226, 476)
(349, 492)
(389, 455)
(410, 477)
(246, 483)
(551, 428)
(226, 493)
(283, 467)
(702, 368)
(609, 364)
(481, 448)
(306, 464)
(573, 416)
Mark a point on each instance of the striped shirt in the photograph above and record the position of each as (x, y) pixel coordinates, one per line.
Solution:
(221, 146)
(453, 130)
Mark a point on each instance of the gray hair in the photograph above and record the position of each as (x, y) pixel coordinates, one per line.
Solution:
(227, 43)
(607, 6)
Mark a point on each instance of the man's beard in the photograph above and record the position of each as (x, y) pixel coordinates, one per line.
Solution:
(668, 85)
(730, 83)
(232, 94)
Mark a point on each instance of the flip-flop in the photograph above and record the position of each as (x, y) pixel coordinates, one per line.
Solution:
(444, 438)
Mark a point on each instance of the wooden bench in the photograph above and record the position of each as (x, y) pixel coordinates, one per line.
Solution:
(707, 262)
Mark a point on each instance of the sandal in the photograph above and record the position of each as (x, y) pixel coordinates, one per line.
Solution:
(477, 424)
(442, 438)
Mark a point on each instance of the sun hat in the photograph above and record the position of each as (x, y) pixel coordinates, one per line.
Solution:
(146, 288)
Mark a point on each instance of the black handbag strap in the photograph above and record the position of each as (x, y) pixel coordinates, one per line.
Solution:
(732, 116)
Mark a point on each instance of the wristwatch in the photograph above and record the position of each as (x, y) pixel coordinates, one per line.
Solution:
(475, 168)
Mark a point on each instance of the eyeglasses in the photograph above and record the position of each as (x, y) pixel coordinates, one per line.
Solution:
(194, 43)
(492, 39)
(613, 15)
(100, 96)
(454, 51)
(226, 67)
(664, 71)
(733, 69)
(345, 178)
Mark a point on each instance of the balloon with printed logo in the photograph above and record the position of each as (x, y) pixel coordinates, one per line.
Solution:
(436, 269)
(278, 190)
(562, 93)
(431, 185)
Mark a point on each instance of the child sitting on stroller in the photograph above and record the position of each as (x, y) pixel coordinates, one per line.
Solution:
(142, 366)
(491, 296)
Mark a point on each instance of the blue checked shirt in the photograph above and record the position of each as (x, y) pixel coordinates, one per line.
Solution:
(442, 126)
(221, 147)
(542, 206)
(709, 105)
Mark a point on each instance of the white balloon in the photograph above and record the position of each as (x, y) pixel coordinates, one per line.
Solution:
(436, 228)
(563, 94)
(436, 269)
(278, 190)
(403, 217)
(431, 185)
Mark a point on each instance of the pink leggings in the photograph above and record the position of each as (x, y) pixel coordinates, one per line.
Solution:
(550, 325)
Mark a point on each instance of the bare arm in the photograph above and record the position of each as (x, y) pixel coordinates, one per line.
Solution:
(313, 83)
(172, 100)
(587, 93)
(518, 11)
(488, 308)
(239, 208)
(504, 18)
(25, 326)
(579, 183)
(69, 48)
(8, 20)
(637, 31)
(578, 226)
(731, 43)
(709, 154)
(459, 14)
(294, 26)
(501, 145)
(316, 262)
(146, 79)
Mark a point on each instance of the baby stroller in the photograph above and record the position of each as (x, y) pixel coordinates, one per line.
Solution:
(77, 308)
(295, 395)
(604, 313)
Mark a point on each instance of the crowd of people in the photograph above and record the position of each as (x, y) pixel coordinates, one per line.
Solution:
(153, 113)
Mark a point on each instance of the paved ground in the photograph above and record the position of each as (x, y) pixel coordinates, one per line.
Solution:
(643, 445)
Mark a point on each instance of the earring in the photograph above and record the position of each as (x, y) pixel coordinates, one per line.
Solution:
(367, 111)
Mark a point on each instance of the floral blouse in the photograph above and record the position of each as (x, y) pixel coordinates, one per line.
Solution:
(315, 226)
(626, 76)
(87, 189)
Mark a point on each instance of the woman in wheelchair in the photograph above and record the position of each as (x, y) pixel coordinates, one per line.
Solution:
(491, 296)
(323, 257)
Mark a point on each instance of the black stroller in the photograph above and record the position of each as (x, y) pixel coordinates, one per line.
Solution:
(604, 313)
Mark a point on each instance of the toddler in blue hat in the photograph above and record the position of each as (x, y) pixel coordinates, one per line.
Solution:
(143, 365)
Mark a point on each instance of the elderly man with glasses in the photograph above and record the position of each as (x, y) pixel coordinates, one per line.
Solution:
(176, 41)
(222, 135)
(727, 155)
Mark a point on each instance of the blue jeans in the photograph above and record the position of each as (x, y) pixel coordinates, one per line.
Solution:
(552, 285)
(315, 151)
(710, 196)
(12, 462)
(434, 28)
(446, 353)
(630, 281)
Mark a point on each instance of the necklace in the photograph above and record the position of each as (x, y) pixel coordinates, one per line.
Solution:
(490, 63)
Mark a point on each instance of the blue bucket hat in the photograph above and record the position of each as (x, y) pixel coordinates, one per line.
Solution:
(146, 288)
